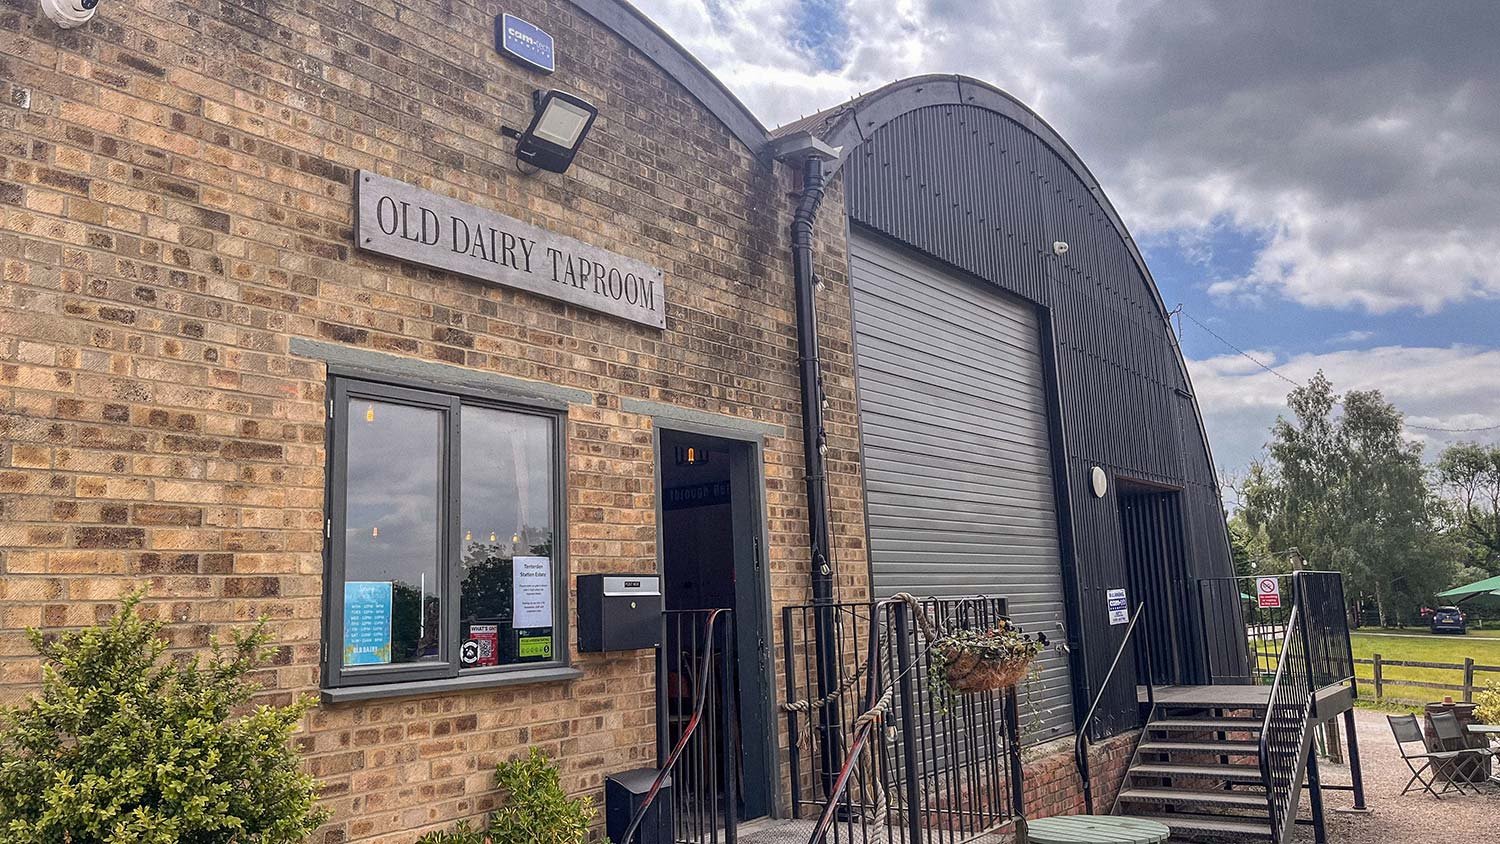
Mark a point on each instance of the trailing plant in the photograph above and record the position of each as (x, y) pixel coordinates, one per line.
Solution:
(536, 810)
(1488, 708)
(123, 745)
(970, 660)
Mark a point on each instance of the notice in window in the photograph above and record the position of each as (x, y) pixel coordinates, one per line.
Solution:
(532, 587)
(483, 646)
(367, 622)
(534, 648)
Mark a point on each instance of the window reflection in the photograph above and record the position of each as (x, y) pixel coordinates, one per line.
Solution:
(507, 519)
(392, 536)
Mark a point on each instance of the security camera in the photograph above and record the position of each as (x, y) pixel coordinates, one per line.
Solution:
(69, 13)
(1059, 248)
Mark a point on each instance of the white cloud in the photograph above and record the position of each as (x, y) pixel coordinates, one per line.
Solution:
(1441, 387)
(1361, 142)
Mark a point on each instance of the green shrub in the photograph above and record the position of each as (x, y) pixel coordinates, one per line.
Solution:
(536, 809)
(1488, 709)
(126, 747)
(461, 833)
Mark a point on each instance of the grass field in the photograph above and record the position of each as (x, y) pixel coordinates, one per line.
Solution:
(1483, 646)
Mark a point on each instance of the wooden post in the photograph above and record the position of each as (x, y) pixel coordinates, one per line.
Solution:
(1379, 680)
(1468, 679)
(1331, 742)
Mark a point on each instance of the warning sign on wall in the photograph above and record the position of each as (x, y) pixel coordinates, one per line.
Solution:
(1119, 608)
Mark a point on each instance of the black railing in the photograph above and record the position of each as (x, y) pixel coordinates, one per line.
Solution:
(1314, 655)
(1082, 741)
(697, 728)
(1282, 751)
(1235, 605)
(873, 749)
(1320, 594)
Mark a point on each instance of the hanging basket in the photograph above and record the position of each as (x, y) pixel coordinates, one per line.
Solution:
(969, 660)
(969, 670)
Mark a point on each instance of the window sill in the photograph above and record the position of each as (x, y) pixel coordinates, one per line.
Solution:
(411, 688)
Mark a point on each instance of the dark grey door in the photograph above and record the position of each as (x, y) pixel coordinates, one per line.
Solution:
(958, 470)
(711, 558)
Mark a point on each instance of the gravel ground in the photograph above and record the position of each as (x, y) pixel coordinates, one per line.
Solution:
(1415, 818)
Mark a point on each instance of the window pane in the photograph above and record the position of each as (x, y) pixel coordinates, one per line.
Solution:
(392, 533)
(508, 577)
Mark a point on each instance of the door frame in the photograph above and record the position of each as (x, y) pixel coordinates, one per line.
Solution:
(748, 461)
(1171, 539)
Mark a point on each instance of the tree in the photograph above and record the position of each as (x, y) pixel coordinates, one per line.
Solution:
(1350, 493)
(1247, 547)
(1468, 475)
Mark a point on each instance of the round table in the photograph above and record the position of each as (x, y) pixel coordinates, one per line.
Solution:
(1096, 829)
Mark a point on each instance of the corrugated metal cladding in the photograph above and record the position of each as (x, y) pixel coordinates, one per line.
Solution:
(958, 469)
(981, 193)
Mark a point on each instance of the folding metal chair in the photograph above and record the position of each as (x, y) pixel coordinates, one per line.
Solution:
(1408, 731)
(1469, 768)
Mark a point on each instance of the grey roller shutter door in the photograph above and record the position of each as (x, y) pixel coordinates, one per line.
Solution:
(958, 470)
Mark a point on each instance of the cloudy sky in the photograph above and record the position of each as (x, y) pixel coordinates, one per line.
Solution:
(1317, 183)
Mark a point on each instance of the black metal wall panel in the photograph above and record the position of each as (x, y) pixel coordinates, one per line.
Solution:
(985, 195)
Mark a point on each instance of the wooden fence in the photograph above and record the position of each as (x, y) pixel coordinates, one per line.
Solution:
(1468, 671)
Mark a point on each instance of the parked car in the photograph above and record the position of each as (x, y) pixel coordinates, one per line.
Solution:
(1449, 620)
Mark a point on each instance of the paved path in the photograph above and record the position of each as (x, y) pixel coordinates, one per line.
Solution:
(1413, 819)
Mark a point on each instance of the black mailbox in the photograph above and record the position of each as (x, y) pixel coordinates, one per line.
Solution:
(618, 612)
(623, 795)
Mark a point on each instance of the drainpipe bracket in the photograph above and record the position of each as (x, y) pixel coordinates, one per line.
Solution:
(800, 146)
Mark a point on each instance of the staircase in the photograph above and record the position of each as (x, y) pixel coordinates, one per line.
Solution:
(1232, 760)
(1197, 767)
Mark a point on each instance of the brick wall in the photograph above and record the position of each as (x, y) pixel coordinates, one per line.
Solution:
(1053, 784)
(176, 205)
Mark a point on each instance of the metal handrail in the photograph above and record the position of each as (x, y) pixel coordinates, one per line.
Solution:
(888, 658)
(862, 732)
(1081, 742)
(692, 726)
(1294, 625)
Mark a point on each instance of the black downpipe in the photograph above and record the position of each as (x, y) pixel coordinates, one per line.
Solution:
(814, 439)
(814, 447)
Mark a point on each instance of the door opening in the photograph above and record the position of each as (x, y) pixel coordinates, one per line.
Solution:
(1156, 572)
(711, 558)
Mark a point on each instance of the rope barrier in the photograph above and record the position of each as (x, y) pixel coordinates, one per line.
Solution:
(873, 717)
(928, 628)
(807, 705)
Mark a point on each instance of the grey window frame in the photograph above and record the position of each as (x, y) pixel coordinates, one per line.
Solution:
(340, 682)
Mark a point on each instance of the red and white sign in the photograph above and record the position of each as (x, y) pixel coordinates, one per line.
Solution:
(483, 646)
(1268, 592)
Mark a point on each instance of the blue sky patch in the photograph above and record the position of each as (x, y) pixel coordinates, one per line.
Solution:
(822, 33)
